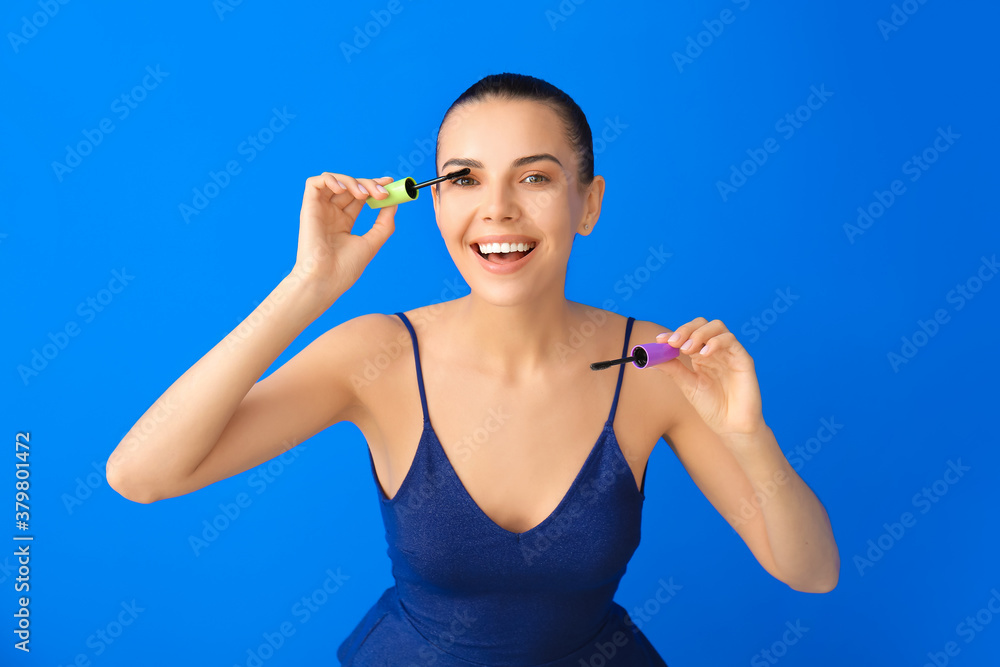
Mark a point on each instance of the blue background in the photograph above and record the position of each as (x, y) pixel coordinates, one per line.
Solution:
(681, 125)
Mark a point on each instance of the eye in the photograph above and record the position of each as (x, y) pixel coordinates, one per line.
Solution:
(541, 178)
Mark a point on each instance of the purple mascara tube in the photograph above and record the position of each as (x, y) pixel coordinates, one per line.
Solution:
(650, 354)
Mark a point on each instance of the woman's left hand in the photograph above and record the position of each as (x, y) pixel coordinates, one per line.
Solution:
(722, 386)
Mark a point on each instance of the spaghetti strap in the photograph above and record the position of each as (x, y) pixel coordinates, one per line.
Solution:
(621, 373)
(420, 376)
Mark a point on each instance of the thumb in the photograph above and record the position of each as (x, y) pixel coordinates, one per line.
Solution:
(676, 370)
(385, 225)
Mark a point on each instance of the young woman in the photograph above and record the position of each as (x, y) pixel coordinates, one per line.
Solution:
(510, 476)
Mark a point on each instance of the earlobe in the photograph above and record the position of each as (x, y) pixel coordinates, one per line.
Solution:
(594, 198)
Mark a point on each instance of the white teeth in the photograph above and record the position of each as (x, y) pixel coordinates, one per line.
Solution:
(487, 248)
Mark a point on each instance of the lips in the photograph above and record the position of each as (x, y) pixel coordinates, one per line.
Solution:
(502, 254)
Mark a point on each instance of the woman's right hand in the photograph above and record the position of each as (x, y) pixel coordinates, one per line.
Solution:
(329, 256)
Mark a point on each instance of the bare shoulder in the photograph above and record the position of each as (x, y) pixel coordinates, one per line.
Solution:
(381, 342)
(352, 349)
(368, 340)
(381, 351)
(364, 327)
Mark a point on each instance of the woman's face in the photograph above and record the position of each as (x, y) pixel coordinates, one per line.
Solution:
(522, 188)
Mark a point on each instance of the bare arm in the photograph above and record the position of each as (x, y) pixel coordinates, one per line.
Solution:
(216, 420)
(180, 430)
(751, 484)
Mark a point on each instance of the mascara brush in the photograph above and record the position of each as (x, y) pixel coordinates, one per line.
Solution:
(407, 189)
(642, 356)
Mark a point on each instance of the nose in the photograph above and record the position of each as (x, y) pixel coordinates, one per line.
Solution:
(499, 204)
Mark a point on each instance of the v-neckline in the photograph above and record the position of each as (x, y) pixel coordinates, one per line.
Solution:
(428, 427)
(428, 430)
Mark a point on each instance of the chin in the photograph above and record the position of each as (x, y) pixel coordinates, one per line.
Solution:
(502, 296)
(515, 289)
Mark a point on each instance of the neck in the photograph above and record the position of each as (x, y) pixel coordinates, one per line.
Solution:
(517, 341)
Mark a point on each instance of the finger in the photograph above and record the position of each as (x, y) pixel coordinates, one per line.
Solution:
(353, 195)
(358, 187)
(335, 186)
(726, 352)
(716, 343)
(374, 188)
(353, 186)
(683, 332)
(385, 225)
(324, 187)
(697, 339)
(353, 208)
(314, 187)
(676, 370)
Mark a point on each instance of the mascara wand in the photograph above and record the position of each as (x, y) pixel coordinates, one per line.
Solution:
(406, 190)
(601, 365)
(643, 356)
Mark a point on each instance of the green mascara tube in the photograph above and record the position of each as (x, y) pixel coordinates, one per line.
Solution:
(408, 189)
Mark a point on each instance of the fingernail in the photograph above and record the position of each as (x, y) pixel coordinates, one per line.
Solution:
(380, 188)
(673, 339)
(665, 333)
(362, 188)
(704, 350)
(341, 185)
(686, 345)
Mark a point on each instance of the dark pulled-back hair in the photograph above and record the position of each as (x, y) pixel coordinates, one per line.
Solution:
(508, 86)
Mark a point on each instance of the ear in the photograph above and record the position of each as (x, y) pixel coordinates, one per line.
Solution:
(592, 207)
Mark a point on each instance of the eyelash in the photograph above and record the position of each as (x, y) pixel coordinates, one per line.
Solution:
(467, 178)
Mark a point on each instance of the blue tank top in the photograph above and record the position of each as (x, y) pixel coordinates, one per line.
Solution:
(470, 593)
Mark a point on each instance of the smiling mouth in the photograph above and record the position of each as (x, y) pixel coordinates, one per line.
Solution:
(504, 253)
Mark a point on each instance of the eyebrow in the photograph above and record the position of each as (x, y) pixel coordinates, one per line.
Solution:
(519, 162)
